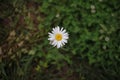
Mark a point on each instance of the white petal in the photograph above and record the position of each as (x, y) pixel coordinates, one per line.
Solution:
(61, 29)
(63, 43)
(66, 34)
(50, 33)
(50, 39)
(64, 40)
(54, 43)
(58, 29)
(58, 44)
(65, 37)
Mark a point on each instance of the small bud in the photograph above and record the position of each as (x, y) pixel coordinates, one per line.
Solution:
(107, 39)
(92, 7)
(93, 11)
(104, 47)
(57, 15)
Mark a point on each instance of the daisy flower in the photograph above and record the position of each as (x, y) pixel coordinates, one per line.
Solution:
(58, 37)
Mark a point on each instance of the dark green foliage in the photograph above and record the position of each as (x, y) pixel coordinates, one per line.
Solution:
(92, 51)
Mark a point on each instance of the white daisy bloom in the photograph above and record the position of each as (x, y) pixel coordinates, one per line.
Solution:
(58, 37)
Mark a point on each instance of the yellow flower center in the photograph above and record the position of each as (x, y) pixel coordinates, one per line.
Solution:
(58, 37)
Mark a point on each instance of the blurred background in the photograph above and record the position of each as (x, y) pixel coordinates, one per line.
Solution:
(92, 51)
